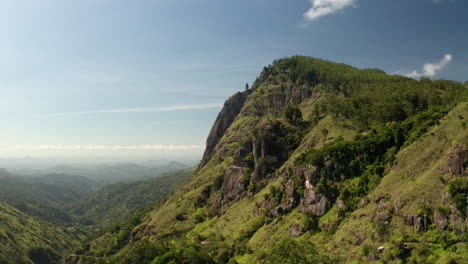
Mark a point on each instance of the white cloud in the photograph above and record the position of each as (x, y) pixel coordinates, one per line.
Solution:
(144, 109)
(326, 7)
(431, 69)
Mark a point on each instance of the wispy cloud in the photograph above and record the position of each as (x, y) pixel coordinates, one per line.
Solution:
(322, 8)
(431, 69)
(102, 147)
(144, 109)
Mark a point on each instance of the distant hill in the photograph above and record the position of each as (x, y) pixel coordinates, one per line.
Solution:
(26, 240)
(108, 173)
(45, 196)
(117, 201)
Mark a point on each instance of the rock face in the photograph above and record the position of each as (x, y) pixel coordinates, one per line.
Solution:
(458, 161)
(228, 114)
(419, 222)
(296, 230)
(269, 151)
(440, 220)
(314, 202)
(234, 187)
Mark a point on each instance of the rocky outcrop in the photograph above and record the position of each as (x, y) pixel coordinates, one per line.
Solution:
(269, 151)
(458, 161)
(228, 114)
(314, 202)
(440, 220)
(419, 222)
(276, 99)
(296, 230)
(234, 184)
(309, 173)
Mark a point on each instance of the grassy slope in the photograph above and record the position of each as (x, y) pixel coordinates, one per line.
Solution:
(19, 233)
(413, 181)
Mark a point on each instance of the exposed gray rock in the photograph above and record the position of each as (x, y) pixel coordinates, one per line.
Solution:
(440, 220)
(314, 202)
(233, 186)
(296, 230)
(362, 202)
(308, 172)
(340, 203)
(228, 114)
(277, 210)
(458, 160)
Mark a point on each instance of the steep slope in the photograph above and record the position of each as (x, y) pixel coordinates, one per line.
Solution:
(312, 145)
(117, 201)
(24, 239)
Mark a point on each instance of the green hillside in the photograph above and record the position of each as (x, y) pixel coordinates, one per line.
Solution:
(319, 162)
(45, 196)
(24, 239)
(117, 201)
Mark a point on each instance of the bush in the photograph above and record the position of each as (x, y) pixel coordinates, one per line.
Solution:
(290, 251)
(458, 189)
(43, 256)
(293, 115)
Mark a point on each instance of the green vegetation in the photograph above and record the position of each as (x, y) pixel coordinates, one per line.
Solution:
(117, 201)
(366, 156)
(49, 226)
(325, 163)
(25, 239)
(45, 196)
(458, 189)
(293, 115)
(290, 251)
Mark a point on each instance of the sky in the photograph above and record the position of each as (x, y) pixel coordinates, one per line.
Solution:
(147, 78)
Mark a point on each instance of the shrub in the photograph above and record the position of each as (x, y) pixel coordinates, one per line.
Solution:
(458, 190)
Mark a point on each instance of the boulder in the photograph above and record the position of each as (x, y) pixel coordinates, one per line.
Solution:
(458, 160)
(314, 202)
(296, 230)
(440, 220)
(234, 186)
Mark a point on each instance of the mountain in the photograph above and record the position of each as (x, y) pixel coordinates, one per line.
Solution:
(319, 162)
(44, 196)
(117, 201)
(24, 239)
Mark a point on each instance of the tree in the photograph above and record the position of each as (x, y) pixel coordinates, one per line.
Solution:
(247, 87)
(293, 115)
(290, 251)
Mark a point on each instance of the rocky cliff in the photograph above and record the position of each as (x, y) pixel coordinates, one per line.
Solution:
(230, 110)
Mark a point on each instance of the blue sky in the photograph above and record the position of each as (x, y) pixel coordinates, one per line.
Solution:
(147, 78)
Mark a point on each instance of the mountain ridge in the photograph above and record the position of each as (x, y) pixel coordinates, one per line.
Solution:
(308, 148)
